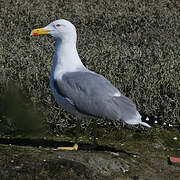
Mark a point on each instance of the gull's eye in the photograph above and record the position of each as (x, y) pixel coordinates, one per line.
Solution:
(58, 25)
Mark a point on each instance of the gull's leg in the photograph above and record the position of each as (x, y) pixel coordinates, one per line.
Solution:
(94, 132)
(77, 130)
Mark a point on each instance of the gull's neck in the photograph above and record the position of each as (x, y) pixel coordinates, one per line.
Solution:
(66, 58)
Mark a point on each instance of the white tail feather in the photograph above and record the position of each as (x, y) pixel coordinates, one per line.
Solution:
(145, 124)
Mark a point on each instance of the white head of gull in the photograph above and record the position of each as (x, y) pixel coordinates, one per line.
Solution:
(78, 90)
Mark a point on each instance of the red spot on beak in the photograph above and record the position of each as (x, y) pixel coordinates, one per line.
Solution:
(35, 34)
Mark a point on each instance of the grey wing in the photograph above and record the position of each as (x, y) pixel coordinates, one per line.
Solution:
(90, 93)
(93, 95)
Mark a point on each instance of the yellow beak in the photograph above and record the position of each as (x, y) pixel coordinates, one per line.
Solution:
(39, 31)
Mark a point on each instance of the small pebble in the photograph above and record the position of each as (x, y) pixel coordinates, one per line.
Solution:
(147, 119)
(114, 154)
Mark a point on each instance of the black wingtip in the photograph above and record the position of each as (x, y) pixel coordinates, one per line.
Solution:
(153, 121)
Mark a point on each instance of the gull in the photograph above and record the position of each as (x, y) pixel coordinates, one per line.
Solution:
(80, 91)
